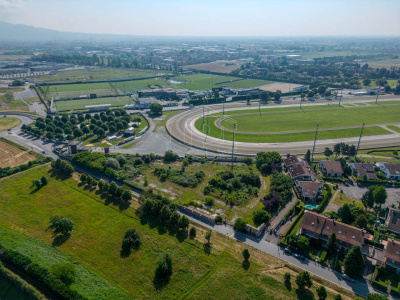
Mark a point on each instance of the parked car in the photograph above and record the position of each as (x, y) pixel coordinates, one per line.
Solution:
(299, 256)
(348, 278)
(287, 250)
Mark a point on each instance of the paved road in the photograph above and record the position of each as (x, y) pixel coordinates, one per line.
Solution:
(181, 126)
(359, 287)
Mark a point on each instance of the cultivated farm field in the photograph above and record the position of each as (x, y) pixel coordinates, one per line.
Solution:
(12, 156)
(95, 244)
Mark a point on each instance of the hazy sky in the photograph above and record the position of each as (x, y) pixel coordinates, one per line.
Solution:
(209, 17)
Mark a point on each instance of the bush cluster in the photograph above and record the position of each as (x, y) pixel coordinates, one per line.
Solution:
(62, 166)
(131, 240)
(26, 266)
(180, 177)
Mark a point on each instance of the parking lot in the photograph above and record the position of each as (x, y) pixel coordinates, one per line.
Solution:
(356, 192)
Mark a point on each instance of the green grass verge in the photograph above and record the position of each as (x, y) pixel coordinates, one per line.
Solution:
(394, 128)
(6, 123)
(96, 242)
(9, 291)
(166, 115)
(247, 83)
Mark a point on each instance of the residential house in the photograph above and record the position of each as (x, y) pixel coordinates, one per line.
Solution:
(309, 190)
(292, 161)
(393, 221)
(392, 255)
(331, 168)
(320, 227)
(362, 170)
(302, 173)
(390, 170)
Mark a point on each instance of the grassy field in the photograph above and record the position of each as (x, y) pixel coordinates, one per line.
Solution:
(80, 104)
(247, 83)
(95, 244)
(304, 120)
(136, 85)
(394, 128)
(94, 74)
(202, 81)
(342, 200)
(76, 90)
(7, 101)
(6, 123)
(300, 120)
(165, 115)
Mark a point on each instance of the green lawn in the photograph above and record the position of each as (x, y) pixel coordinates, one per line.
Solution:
(9, 291)
(165, 115)
(95, 245)
(80, 104)
(136, 85)
(307, 119)
(6, 123)
(288, 137)
(342, 200)
(64, 91)
(202, 81)
(394, 127)
(95, 74)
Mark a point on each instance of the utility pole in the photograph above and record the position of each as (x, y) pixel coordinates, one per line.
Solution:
(340, 99)
(233, 141)
(223, 109)
(203, 115)
(315, 140)
(377, 94)
(208, 126)
(359, 140)
(259, 107)
(301, 101)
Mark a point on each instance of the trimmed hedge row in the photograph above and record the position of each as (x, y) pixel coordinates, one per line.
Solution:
(379, 286)
(25, 265)
(334, 179)
(372, 182)
(395, 292)
(324, 203)
(290, 228)
(20, 283)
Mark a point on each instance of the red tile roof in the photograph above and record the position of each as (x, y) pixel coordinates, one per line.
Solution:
(346, 233)
(313, 222)
(393, 250)
(332, 166)
(393, 221)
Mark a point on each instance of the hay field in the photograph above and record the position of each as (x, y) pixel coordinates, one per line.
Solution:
(12, 156)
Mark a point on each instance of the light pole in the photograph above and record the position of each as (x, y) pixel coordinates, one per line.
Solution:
(233, 141)
(223, 109)
(259, 107)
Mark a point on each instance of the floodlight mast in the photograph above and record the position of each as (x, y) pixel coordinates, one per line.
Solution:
(359, 140)
(233, 141)
(315, 140)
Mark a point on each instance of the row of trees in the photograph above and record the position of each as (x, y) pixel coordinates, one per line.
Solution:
(111, 188)
(166, 215)
(62, 166)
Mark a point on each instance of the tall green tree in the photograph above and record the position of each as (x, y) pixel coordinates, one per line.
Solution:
(307, 157)
(303, 280)
(321, 292)
(354, 262)
(156, 108)
(332, 243)
(345, 214)
(380, 195)
(368, 198)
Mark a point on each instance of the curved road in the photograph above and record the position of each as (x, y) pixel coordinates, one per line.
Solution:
(359, 287)
(182, 128)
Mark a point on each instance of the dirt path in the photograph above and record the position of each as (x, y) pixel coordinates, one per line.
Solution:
(333, 206)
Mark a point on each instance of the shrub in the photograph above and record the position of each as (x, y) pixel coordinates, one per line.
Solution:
(218, 219)
(192, 232)
(170, 156)
(83, 178)
(131, 240)
(61, 225)
(113, 163)
(261, 216)
(287, 277)
(239, 225)
(209, 201)
(246, 254)
(164, 266)
(65, 272)
(43, 180)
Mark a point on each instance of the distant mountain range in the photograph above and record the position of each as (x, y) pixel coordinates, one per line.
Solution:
(18, 32)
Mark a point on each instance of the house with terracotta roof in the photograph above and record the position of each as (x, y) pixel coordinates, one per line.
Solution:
(331, 168)
(320, 227)
(293, 161)
(392, 255)
(393, 221)
(309, 190)
(302, 173)
(390, 170)
(361, 170)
